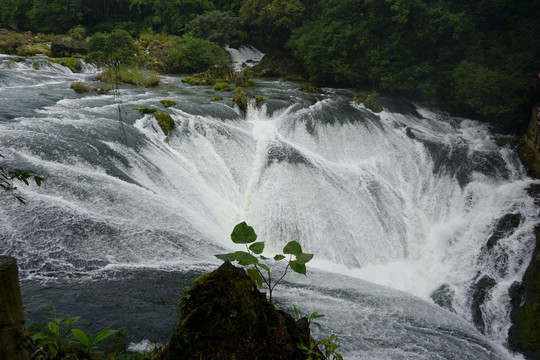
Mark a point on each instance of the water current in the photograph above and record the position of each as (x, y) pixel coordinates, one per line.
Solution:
(395, 206)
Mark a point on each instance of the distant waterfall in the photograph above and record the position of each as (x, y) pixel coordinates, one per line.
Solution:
(244, 56)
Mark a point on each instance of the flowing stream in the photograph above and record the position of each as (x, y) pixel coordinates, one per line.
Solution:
(396, 206)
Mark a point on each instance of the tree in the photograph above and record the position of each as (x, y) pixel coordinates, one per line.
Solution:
(111, 50)
(220, 27)
(191, 54)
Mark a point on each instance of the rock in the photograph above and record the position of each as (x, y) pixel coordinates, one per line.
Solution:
(216, 98)
(168, 103)
(524, 334)
(310, 89)
(14, 343)
(409, 133)
(480, 292)
(67, 47)
(165, 121)
(240, 100)
(443, 297)
(224, 316)
(505, 226)
(258, 98)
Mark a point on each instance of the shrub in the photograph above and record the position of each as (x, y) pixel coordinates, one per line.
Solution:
(112, 49)
(191, 54)
(77, 32)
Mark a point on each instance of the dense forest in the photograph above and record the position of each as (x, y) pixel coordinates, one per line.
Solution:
(478, 58)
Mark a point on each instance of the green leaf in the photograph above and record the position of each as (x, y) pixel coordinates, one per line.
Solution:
(265, 267)
(243, 234)
(257, 247)
(39, 336)
(54, 328)
(298, 267)
(279, 257)
(72, 320)
(226, 257)
(103, 334)
(264, 257)
(81, 337)
(292, 248)
(245, 258)
(304, 258)
(255, 276)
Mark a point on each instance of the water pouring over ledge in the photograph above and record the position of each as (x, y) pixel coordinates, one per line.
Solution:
(120, 229)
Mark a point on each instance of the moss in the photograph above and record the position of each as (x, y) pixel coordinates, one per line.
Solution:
(168, 103)
(372, 103)
(82, 87)
(216, 98)
(129, 75)
(35, 65)
(258, 99)
(222, 86)
(165, 121)
(310, 89)
(69, 62)
(528, 323)
(224, 316)
(146, 110)
(529, 157)
(240, 100)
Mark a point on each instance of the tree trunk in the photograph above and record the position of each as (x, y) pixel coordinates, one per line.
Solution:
(14, 343)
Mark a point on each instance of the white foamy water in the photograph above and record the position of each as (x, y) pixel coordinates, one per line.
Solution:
(369, 201)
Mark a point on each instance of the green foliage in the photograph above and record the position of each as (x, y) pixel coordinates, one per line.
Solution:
(220, 27)
(61, 341)
(77, 32)
(191, 54)
(216, 98)
(129, 75)
(245, 234)
(81, 87)
(168, 103)
(221, 85)
(329, 349)
(111, 50)
(9, 176)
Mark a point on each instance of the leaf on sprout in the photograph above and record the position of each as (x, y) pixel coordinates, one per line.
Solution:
(298, 267)
(279, 257)
(257, 247)
(263, 257)
(245, 258)
(255, 276)
(265, 267)
(81, 337)
(226, 257)
(292, 248)
(304, 258)
(243, 234)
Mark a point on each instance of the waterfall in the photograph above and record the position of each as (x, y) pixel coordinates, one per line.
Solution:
(244, 56)
(406, 199)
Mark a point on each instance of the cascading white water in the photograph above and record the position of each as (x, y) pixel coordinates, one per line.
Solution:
(244, 56)
(369, 199)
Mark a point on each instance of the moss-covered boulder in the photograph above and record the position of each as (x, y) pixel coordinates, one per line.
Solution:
(221, 85)
(146, 110)
(240, 99)
(369, 99)
(224, 316)
(524, 335)
(72, 63)
(165, 121)
(168, 103)
(258, 98)
(307, 88)
(217, 98)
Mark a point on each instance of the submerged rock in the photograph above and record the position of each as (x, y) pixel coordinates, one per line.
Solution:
(480, 291)
(444, 296)
(224, 316)
(506, 225)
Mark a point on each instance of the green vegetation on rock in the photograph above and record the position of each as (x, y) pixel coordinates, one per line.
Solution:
(168, 103)
(258, 98)
(221, 85)
(310, 89)
(165, 121)
(70, 62)
(240, 100)
(216, 98)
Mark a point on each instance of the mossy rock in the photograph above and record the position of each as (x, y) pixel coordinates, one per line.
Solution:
(70, 62)
(216, 98)
(168, 103)
(258, 98)
(529, 157)
(310, 89)
(165, 121)
(82, 87)
(146, 110)
(222, 86)
(240, 99)
(224, 316)
(372, 103)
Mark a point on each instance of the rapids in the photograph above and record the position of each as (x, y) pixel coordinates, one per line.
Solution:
(393, 205)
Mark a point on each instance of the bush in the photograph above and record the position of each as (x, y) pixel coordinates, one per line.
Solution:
(219, 27)
(191, 54)
(112, 49)
(77, 32)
